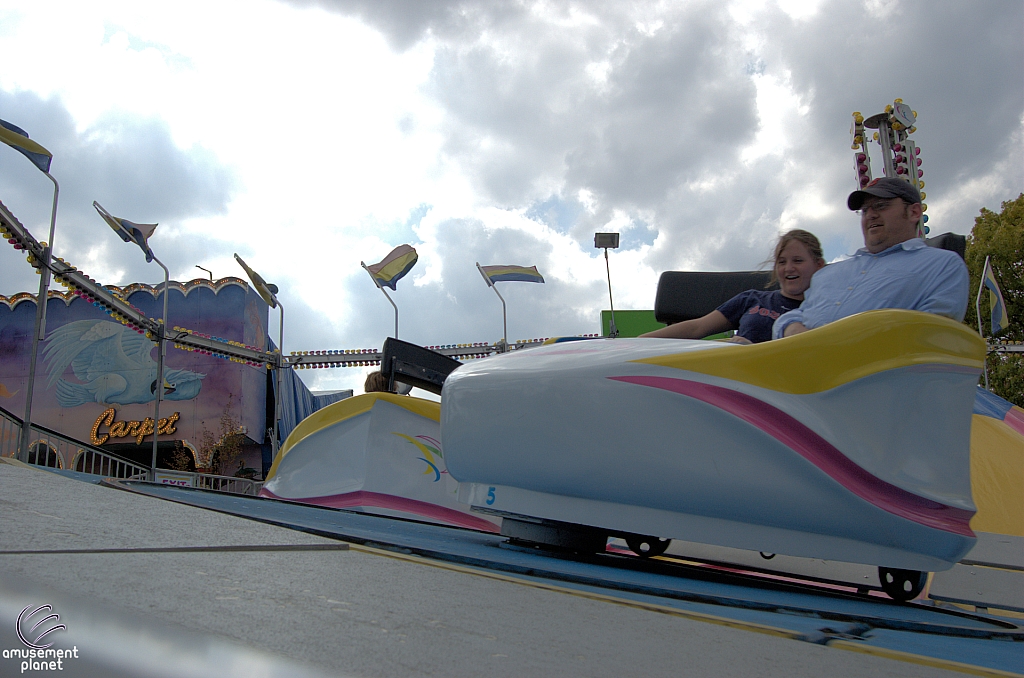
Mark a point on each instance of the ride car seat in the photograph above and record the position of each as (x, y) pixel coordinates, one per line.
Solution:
(685, 295)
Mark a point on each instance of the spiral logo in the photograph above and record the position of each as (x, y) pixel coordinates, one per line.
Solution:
(48, 623)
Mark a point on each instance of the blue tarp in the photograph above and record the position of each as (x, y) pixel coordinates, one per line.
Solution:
(298, 402)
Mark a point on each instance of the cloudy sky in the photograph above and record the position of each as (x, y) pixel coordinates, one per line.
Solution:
(308, 135)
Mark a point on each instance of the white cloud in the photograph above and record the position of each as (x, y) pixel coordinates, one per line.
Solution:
(308, 136)
(781, 114)
(800, 9)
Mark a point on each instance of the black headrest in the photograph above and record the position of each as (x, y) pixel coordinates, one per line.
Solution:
(415, 365)
(949, 241)
(685, 295)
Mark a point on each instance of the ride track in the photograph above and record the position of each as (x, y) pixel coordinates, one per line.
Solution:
(820, 611)
(116, 305)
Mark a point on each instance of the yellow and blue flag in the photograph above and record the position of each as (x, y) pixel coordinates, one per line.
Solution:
(996, 303)
(128, 230)
(267, 291)
(394, 266)
(493, 274)
(17, 138)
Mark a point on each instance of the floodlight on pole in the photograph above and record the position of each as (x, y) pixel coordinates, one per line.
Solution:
(268, 291)
(608, 241)
(207, 270)
(18, 139)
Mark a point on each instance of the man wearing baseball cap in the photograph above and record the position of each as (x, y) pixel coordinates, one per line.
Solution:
(894, 269)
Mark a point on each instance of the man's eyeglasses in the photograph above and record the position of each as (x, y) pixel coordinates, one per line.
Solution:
(877, 206)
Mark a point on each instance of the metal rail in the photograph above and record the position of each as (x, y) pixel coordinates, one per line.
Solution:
(1006, 347)
(304, 360)
(676, 582)
(49, 448)
(82, 285)
(228, 484)
(209, 481)
(187, 339)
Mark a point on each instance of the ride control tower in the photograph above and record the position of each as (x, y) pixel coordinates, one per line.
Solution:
(900, 156)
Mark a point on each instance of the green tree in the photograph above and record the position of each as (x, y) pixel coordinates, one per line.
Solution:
(181, 458)
(223, 448)
(1001, 237)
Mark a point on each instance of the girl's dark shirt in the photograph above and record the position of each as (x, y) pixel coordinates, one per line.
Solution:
(752, 313)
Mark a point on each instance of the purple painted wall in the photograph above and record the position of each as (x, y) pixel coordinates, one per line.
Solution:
(89, 363)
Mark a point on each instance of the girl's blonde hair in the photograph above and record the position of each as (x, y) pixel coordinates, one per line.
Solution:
(807, 238)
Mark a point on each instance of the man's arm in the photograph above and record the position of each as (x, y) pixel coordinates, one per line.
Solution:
(950, 290)
(788, 324)
(794, 328)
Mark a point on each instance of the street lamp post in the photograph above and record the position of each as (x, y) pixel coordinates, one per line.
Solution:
(40, 324)
(275, 442)
(18, 139)
(139, 234)
(161, 350)
(269, 292)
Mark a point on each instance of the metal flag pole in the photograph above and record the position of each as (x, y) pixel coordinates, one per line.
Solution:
(977, 311)
(161, 348)
(504, 316)
(381, 288)
(280, 381)
(40, 325)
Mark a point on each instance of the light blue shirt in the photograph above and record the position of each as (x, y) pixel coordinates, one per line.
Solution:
(909, 275)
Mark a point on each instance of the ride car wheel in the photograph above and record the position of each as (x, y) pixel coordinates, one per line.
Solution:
(902, 585)
(647, 547)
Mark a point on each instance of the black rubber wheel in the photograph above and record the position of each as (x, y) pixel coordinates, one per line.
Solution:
(647, 547)
(902, 585)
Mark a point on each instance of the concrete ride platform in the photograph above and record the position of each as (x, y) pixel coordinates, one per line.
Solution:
(148, 587)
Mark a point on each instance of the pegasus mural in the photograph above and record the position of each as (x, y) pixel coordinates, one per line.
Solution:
(115, 365)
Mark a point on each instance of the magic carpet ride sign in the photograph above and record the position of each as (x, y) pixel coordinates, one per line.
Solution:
(34, 626)
(129, 429)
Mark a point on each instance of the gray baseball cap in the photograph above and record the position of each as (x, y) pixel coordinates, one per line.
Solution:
(885, 187)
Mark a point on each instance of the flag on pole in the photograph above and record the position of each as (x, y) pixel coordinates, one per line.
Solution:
(129, 231)
(267, 291)
(493, 274)
(17, 138)
(394, 266)
(996, 303)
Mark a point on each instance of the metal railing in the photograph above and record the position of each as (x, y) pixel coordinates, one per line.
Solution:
(209, 481)
(107, 465)
(49, 448)
(230, 484)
